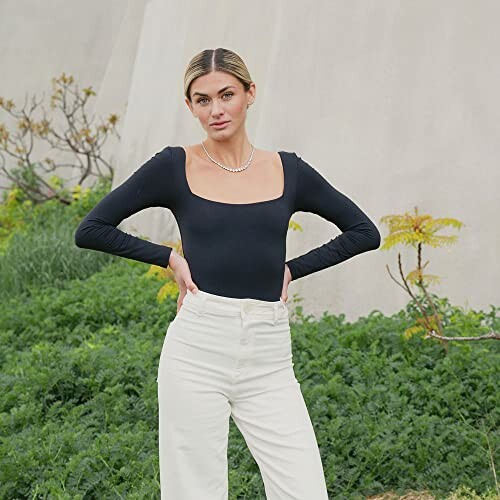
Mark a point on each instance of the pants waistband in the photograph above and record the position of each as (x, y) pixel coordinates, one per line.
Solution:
(201, 301)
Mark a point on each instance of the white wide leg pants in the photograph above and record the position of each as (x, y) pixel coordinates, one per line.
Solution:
(225, 357)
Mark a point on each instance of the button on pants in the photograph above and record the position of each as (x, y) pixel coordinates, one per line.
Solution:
(226, 357)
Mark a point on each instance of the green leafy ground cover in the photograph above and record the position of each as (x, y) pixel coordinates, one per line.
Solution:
(80, 339)
(78, 400)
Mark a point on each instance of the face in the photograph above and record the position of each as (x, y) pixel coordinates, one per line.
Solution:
(220, 97)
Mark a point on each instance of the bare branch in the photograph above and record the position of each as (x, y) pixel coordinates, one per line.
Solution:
(491, 335)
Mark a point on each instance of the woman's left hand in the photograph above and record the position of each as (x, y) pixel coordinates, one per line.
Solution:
(286, 280)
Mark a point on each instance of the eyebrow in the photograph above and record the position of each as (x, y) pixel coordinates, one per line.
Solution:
(221, 90)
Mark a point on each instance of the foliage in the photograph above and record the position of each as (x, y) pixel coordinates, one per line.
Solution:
(78, 400)
(415, 231)
(78, 138)
(38, 247)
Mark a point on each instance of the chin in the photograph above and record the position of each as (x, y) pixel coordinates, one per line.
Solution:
(219, 133)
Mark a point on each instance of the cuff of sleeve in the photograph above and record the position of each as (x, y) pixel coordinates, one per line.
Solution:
(293, 269)
(167, 256)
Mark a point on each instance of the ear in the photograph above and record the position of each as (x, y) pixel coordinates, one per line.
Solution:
(189, 105)
(252, 91)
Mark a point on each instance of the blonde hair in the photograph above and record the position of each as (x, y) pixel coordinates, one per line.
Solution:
(219, 59)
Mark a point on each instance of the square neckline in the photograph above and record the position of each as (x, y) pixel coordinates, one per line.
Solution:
(251, 203)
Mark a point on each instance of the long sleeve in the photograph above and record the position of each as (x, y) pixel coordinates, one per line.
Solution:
(359, 234)
(149, 186)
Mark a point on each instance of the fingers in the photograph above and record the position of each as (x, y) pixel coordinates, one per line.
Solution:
(191, 286)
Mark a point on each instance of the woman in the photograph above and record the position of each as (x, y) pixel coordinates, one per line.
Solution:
(228, 350)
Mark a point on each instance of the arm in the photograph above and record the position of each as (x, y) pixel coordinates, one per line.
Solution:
(359, 234)
(148, 186)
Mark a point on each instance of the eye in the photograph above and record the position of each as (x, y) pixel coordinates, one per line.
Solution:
(205, 99)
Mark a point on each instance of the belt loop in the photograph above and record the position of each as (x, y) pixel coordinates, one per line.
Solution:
(242, 313)
(275, 312)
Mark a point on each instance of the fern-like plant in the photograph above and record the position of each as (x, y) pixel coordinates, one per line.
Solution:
(417, 230)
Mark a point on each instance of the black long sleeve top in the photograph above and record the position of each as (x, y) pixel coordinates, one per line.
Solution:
(233, 249)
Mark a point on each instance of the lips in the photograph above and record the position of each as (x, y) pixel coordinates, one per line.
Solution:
(220, 123)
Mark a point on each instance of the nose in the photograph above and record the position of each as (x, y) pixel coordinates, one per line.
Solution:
(216, 110)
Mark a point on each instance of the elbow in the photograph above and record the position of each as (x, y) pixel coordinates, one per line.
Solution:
(370, 235)
(375, 238)
(94, 234)
(81, 235)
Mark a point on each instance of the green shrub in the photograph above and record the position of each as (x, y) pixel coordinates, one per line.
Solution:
(78, 400)
(42, 250)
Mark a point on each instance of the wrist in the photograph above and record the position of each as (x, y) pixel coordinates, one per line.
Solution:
(172, 258)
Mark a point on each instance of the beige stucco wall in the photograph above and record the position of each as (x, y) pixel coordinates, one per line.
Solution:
(396, 103)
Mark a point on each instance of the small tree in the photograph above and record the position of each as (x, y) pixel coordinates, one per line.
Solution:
(418, 230)
(78, 136)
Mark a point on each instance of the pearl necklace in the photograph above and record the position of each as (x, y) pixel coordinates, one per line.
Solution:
(231, 169)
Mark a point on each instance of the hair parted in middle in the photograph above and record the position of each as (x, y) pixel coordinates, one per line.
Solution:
(219, 59)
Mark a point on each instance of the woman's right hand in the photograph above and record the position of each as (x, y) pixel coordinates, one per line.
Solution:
(182, 274)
